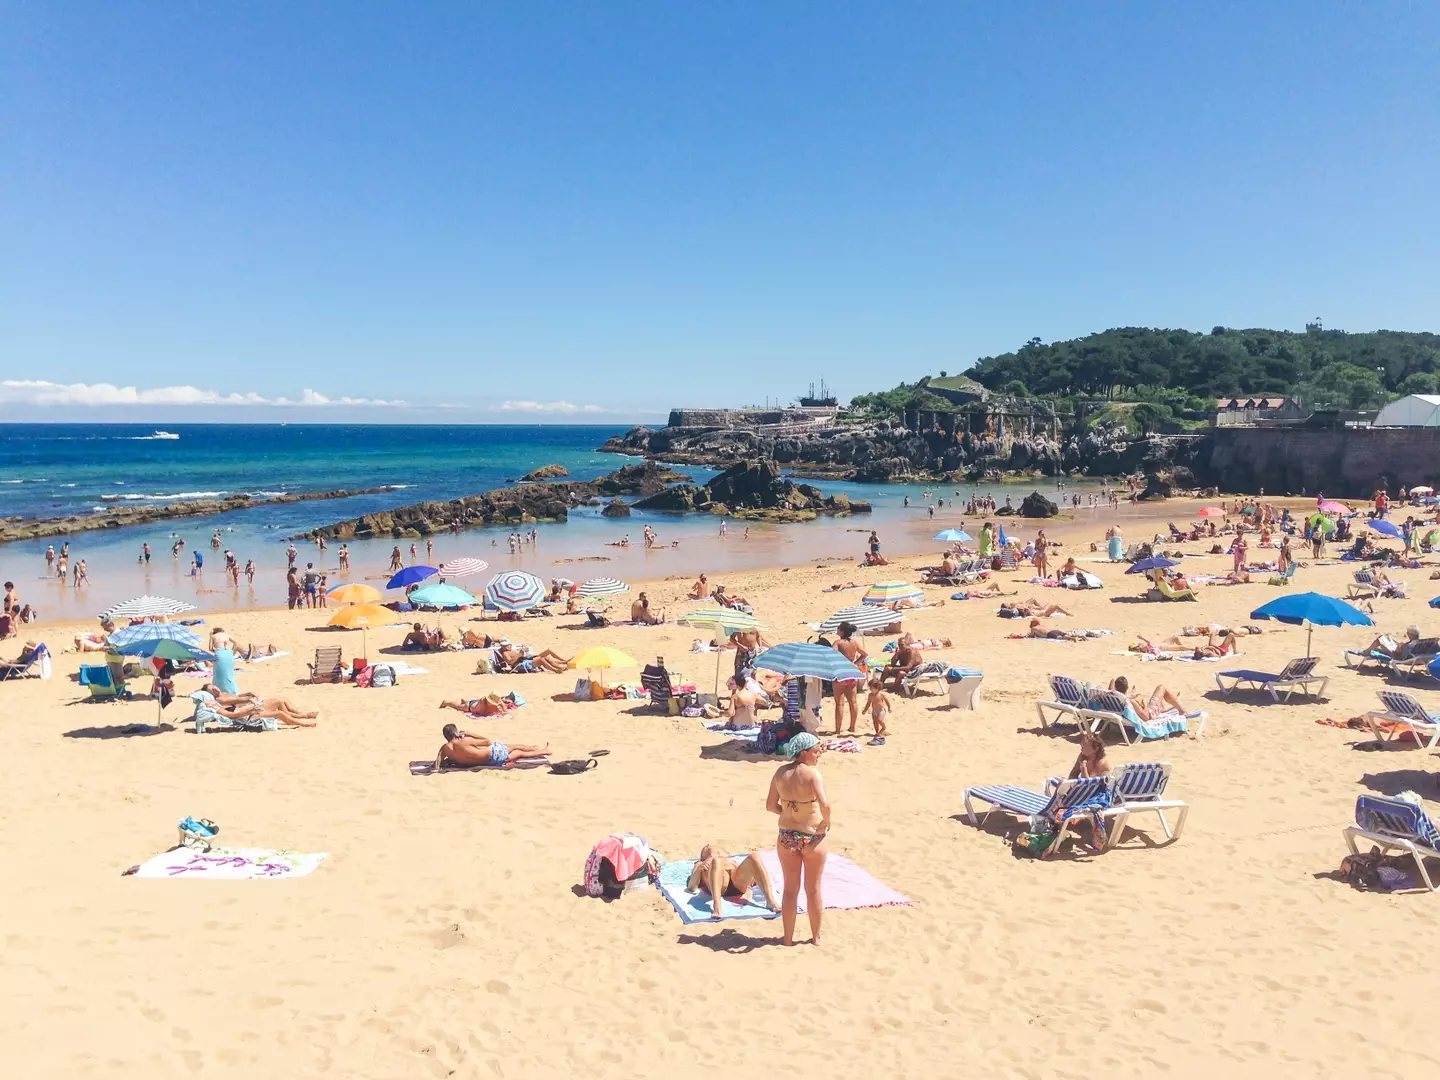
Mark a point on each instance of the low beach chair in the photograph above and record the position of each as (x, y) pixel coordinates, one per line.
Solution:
(37, 667)
(1165, 589)
(1139, 787)
(328, 667)
(1069, 698)
(1090, 793)
(657, 680)
(1284, 579)
(1395, 824)
(100, 681)
(1007, 559)
(1402, 714)
(1418, 659)
(1108, 708)
(1356, 659)
(1364, 587)
(1296, 675)
(928, 671)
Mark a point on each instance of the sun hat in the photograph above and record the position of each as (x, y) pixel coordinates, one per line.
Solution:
(799, 743)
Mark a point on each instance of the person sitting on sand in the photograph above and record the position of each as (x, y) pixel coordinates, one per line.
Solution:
(520, 660)
(743, 702)
(641, 615)
(421, 638)
(1070, 567)
(1031, 608)
(701, 589)
(1092, 760)
(465, 750)
(874, 558)
(719, 875)
(489, 705)
(1162, 700)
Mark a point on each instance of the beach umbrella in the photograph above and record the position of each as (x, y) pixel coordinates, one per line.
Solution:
(355, 593)
(442, 595)
(1330, 506)
(146, 607)
(601, 657)
(1310, 610)
(462, 567)
(411, 575)
(953, 536)
(809, 661)
(1155, 562)
(1212, 512)
(1321, 522)
(514, 590)
(1083, 580)
(165, 649)
(1250, 511)
(361, 617)
(1386, 528)
(154, 632)
(1435, 602)
(602, 586)
(1422, 489)
(892, 592)
(722, 622)
(864, 617)
(1002, 538)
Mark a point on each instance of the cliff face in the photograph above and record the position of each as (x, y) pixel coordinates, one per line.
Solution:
(1350, 463)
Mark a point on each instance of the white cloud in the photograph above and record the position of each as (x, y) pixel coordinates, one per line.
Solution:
(544, 407)
(40, 392)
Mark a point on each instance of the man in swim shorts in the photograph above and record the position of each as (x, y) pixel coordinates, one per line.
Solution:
(465, 750)
(720, 875)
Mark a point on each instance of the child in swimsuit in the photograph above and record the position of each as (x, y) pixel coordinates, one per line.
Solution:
(878, 706)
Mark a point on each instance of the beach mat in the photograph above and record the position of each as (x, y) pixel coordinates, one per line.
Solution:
(749, 734)
(427, 768)
(262, 659)
(230, 864)
(846, 887)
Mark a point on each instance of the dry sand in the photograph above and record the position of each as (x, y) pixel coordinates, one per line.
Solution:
(445, 937)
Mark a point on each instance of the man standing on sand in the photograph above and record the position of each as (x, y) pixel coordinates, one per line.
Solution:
(311, 580)
(467, 750)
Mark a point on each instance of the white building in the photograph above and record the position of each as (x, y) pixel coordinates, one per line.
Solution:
(1417, 410)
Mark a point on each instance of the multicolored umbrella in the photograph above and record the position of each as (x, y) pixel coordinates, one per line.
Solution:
(602, 586)
(154, 632)
(724, 620)
(355, 593)
(892, 592)
(442, 595)
(146, 607)
(811, 661)
(864, 617)
(411, 575)
(462, 567)
(514, 590)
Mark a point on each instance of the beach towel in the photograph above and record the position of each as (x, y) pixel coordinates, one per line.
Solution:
(230, 864)
(846, 887)
(1161, 726)
(268, 656)
(749, 734)
(427, 768)
(402, 668)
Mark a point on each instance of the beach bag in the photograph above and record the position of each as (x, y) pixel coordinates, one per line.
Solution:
(572, 767)
(482, 666)
(383, 675)
(1033, 845)
(582, 689)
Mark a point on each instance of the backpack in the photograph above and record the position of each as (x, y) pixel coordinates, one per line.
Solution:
(383, 675)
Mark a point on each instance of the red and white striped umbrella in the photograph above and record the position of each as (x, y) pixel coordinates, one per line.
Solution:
(463, 567)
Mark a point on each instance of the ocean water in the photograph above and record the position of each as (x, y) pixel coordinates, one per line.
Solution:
(53, 469)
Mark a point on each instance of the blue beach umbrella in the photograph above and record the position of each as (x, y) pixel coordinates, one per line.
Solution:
(813, 661)
(953, 536)
(121, 640)
(1311, 609)
(442, 595)
(1387, 528)
(165, 648)
(411, 575)
(1155, 562)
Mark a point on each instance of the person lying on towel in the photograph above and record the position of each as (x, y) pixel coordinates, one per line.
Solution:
(466, 750)
(719, 875)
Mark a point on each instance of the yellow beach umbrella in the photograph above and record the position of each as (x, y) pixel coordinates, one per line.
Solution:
(355, 593)
(361, 617)
(601, 657)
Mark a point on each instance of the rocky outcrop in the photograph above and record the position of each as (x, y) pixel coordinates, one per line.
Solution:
(545, 472)
(753, 491)
(616, 508)
(119, 517)
(1036, 505)
(523, 505)
(646, 478)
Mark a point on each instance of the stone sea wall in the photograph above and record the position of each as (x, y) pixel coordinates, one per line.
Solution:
(1349, 463)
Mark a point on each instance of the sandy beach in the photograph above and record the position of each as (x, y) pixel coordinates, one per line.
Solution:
(446, 934)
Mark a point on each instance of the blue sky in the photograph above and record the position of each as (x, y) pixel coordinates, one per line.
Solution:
(593, 212)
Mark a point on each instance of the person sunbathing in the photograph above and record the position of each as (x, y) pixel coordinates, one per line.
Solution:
(701, 589)
(976, 592)
(1162, 700)
(874, 558)
(421, 638)
(253, 702)
(489, 705)
(471, 640)
(278, 709)
(21, 662)
(1031, 608)
(1038, 629)
(720, 876)
(1219, 644)
(1092, 760)
(466, 750)
(641, 615)
(95, 640)
(725, 600)
(520, 660)
(840, 588)
(1393, 649)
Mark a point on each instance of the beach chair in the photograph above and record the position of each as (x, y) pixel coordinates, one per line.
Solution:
(1356, 659)
(1395, 823)
(1402, 714)
(1007, 559)
(928, 671)
(1069, 698)
(1169, 592)
(1364, 586)
(1284, 579)
(38, 666)
(100, 681)
(656, 679)
(1106, 708)
(1089, 793)
(1296, 675)
(1139, 787)
(328, 667)
(1418, 658)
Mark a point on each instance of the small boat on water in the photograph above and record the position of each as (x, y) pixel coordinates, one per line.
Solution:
(164, 435)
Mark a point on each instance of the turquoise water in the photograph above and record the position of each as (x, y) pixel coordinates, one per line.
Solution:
(49, 469)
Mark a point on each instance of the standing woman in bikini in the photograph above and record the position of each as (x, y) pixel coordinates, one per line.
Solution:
(797, 795)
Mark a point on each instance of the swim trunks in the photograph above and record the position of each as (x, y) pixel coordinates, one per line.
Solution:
(499, 753)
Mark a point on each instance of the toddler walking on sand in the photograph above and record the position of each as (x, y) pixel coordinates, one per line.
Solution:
(878, 706)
